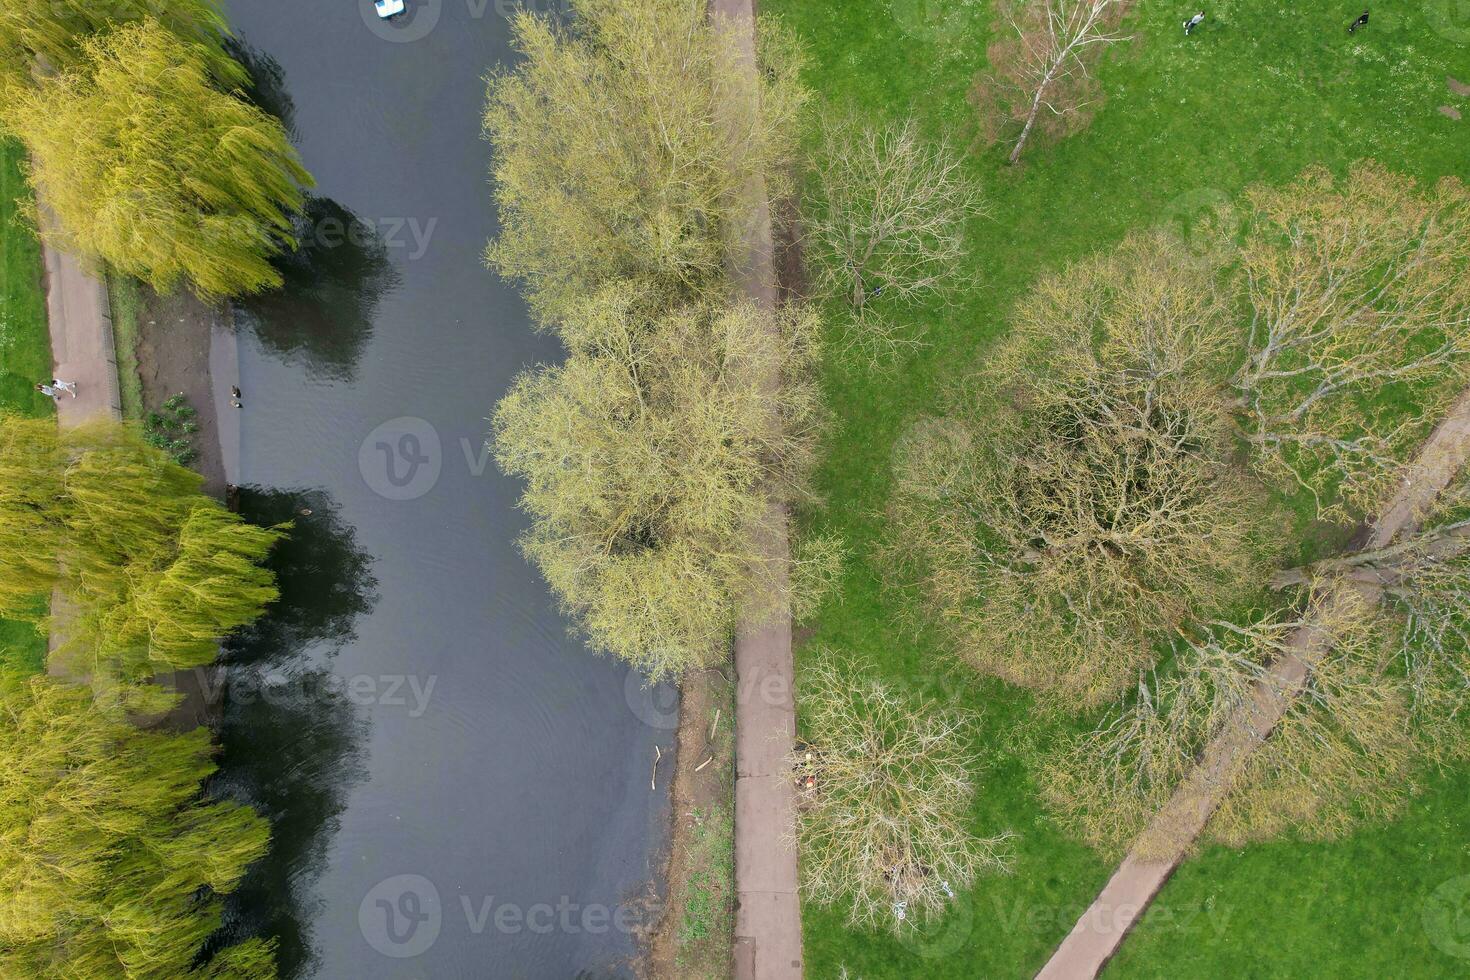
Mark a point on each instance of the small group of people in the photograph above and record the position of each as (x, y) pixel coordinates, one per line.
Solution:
(57, 388)
(1199, 18)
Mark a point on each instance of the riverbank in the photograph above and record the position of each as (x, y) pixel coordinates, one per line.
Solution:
(693, 939)
(175, 338)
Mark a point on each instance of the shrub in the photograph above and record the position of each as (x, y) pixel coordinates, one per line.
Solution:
(884, 829)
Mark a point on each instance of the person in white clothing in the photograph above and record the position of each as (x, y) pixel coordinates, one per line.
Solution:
(48, 391)
(70, 387)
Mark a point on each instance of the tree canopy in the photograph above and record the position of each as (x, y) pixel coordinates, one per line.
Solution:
(887, 783)
(620, 148)
(37, 38)
(152, 571)
(111, 863)
(146, 164)
(1064, 528)
(649, 457)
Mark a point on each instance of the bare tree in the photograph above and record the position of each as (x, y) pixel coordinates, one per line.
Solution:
(1342, 752)
(1059, 536)
(1386, 696)
(886, 788)
(1358, 291)
(1041, 66)
(888, 216)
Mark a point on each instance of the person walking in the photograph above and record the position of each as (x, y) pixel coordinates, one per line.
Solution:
(1193, 22)
(48, 391)
(70, 387)
(1360, 22)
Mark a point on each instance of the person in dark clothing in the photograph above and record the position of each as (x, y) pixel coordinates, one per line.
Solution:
(1360, 22)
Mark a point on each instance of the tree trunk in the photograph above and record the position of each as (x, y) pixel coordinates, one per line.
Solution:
(1031, 116)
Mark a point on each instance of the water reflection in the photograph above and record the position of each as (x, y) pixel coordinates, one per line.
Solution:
(325, 578)
(291, 741)
(323, 314)
(266, 89)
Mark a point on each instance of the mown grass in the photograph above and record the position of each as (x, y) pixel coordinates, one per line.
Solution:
(1263, 90)
(707, 901)
(25, 356)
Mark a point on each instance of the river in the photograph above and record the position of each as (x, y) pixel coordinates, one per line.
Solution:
(457, 787)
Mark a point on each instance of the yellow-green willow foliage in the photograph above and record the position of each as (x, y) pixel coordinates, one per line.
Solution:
(152, 571)
(622, 142)
(49, 35)
(650, 457)
(146, 164)
(111, 864)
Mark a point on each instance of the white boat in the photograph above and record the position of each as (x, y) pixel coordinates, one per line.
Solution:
(388, 8)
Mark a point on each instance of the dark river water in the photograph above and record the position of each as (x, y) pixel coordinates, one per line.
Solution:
(457, 788)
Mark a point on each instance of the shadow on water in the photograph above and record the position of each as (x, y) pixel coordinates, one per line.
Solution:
(290, 738)
(335, 278)
(334, 281)
(326, 580)
(266, 89)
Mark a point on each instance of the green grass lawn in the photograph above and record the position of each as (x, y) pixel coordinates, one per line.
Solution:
(1261, 91)
(25, 355)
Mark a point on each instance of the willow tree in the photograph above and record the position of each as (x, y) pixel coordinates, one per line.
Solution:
(111, 864)
(649, 457)
(36, 38)
(1064, 529)
(887, 788)
(152, 571)
(147, 164)
(621, 146)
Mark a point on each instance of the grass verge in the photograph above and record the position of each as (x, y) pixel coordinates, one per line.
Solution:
(694, 938)
(25, 355)
(1257, 94)
(126, 301)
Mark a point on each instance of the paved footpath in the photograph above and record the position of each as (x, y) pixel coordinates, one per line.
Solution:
(82, 352)
(81, 340)
(1105, 924)
(768, 910)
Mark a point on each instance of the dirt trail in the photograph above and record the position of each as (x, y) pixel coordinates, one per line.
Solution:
(1102, 928)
